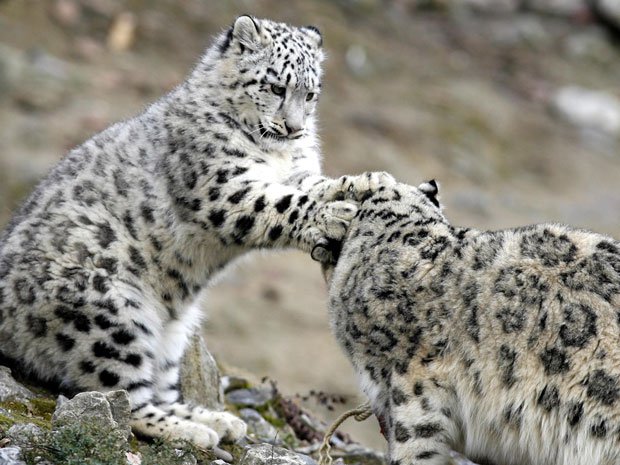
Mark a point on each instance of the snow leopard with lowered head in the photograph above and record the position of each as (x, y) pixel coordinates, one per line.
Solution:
(101, 268)
(502, 345)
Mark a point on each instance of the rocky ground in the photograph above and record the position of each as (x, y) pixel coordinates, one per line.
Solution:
(513, 105)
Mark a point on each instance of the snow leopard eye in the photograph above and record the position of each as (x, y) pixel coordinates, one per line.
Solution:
(278, 90)
(309, 96)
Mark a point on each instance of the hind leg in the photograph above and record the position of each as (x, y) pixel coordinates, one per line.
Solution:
(167, 395)
(422, 423)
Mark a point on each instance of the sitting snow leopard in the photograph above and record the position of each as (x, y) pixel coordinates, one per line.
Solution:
(500, 345)
(101, 268)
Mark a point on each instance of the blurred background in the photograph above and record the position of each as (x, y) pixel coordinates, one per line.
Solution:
(513, 105)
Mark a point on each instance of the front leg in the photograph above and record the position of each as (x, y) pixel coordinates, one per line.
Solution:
(253, 214)
(356, 187)
(422, 421)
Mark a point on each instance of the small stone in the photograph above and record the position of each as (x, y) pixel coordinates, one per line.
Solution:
(252, 397)
(10, 456)
(232, 383)
(122, 33)
(21, 434)
(223, 455)
(588, 109)
(66, 12)
(11, 389)
(259, 427)
(121, 409)
(200, 376)
(91, 408)
(218, 462)
(265, 454)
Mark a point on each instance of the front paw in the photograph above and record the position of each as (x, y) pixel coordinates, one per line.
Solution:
(333, 221)
(362, 186)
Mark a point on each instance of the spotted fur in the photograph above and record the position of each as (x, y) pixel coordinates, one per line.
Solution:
(502, 345)
(102, 268)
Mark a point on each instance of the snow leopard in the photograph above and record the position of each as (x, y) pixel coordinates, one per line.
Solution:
(500, 345)
(103, 267)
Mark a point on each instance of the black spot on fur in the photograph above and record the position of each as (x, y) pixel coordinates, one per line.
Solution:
(599, 429)
(506, 362)
(574, 413)
(107, 263)
(108, 378)
(284, 203)
(103, 350)
(24, 291)
(418, 388)
(217, 217)
(105, 235)
(603, 387)
(122, 336)
(549, 398)
(134, 360)
(107, 304)
(65, 342)
(100, 284)
(239, 195)
(260, 204)
(399, 397)
(400, 433)
(86, 366)
(427, 430)
(555, 361)
(512, 318)
(137, 259)
(37, 325)
(579, 325)
(243, 226)
(275, 233)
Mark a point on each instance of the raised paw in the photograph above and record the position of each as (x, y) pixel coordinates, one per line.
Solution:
(325, 239)
(334, 218)
(228, 427)
(364, 185)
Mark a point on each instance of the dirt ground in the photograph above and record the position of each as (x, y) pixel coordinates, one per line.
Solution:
(457, 96)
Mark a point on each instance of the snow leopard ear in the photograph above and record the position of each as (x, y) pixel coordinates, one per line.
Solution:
(431, 190)
(314, 33)
(247, 31)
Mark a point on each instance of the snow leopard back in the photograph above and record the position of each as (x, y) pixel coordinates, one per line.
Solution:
(502, 345)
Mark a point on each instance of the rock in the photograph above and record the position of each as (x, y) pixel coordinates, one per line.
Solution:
(259, 427)
(200, 377)
(121, 409)
(34, 80)
(66, 12)
(92, 408)
(252, 397)
(265, 454)
(10, 456)
(588, 109)
(222, 455)
(21, 434)
(232, 383)
(358, 455)
(11, 389)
